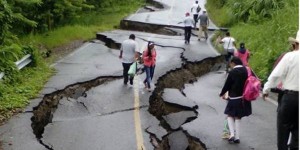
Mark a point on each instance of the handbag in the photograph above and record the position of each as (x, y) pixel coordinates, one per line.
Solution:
(132, 69)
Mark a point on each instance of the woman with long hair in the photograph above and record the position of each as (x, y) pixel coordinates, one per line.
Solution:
(149, 57)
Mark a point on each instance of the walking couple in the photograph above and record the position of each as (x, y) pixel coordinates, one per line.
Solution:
(129, 54)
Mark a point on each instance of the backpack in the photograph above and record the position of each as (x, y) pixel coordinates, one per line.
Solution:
(252, 87)
(198, 9)
(243, 57)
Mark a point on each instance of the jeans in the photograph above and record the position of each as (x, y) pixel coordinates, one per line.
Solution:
(187, 34)
(126, 67)
(288, 121)
(149, 75)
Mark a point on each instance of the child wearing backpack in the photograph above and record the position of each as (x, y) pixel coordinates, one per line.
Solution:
(236, 107)
(243, 54)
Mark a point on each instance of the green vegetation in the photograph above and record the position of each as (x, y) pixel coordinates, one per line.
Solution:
(264, 25)
(33, 26)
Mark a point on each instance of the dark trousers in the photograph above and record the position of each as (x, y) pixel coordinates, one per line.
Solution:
(149, 75)
(195, 19)
(187, 34)
(228, 56)
(288, 121)
(126, 67)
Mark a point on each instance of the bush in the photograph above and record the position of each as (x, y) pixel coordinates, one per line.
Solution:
(264, 29)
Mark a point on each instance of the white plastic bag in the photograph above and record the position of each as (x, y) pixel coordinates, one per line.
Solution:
(132, 69)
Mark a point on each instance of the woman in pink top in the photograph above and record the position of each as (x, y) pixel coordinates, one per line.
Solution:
(243, 54)
(149, 57)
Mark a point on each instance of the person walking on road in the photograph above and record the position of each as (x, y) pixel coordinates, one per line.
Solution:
(243, 54)
(188, 24)
(236, 107)
(229, 47)
(128, 54)
(287, 73)
(149, 57)
(204, 22)
(195, 11)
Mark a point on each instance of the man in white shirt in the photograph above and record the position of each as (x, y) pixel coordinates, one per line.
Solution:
(287, 72)
(128, 54)
(195, 11)
(229, 46)
(188, 24)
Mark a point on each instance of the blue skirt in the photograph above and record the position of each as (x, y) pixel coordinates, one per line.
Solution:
(238, 108)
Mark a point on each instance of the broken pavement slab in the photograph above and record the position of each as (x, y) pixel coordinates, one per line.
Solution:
(178, 141)
(175, 120)
(174, 96)
(258, 130)
(17, 134)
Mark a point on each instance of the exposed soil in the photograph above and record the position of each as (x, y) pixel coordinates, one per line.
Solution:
(55, 54)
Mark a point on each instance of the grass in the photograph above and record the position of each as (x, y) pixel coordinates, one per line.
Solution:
(219, 16)
(266, 39)
(85, 30)
(16, 95)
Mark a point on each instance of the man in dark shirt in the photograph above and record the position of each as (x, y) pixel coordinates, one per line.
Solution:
(204, 22)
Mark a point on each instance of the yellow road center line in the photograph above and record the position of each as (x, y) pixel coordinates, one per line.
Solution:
(137, 119)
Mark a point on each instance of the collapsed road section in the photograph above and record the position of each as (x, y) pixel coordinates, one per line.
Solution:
(43, 113)
(170, 114)
(166, 109)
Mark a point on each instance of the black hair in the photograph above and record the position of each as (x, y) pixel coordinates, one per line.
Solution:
(132, 36)
(236, 60)
(227, 33)
(196, 2)
(242, 45)
(149, 50)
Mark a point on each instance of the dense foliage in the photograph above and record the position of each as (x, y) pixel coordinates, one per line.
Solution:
(264, 25)
(27, 26)
(23, 17)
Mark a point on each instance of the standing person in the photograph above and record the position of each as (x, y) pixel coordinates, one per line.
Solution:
(204, 22)
(279, 89)
(128, 54)
(243, 54)
(195, 11)
(236, 107)
(149, 57)
(229, 46)
(188, 24)
(287, 72)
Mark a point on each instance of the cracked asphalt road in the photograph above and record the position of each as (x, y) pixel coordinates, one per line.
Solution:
(107, 116)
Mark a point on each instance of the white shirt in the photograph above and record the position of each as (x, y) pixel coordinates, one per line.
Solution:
(189, 21)
(129, 47)
(287, 72)
(194, 9)
(228, 43)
